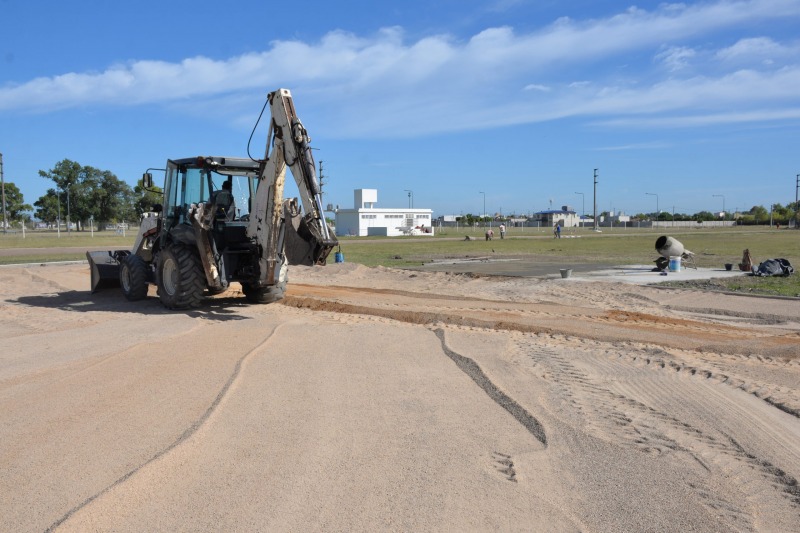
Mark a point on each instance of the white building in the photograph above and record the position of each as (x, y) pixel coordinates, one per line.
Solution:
(366, 220)
(566, 217)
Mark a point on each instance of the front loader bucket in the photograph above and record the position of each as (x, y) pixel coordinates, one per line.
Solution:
(104, 268)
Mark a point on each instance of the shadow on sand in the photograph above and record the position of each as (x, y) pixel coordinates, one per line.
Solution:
(220, 308)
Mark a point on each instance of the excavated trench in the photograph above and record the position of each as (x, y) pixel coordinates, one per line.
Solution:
(547, 318)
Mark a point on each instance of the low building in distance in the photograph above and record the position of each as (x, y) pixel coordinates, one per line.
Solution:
(366, 220)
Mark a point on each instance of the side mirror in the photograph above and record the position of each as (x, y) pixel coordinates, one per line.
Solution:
(147, 180)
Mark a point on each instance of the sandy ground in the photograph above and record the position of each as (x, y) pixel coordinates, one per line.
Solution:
(379, 399)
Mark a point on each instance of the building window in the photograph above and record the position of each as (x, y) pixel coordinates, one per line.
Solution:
(369, 216)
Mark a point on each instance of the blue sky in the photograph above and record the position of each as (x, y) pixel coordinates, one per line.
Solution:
(696, 102)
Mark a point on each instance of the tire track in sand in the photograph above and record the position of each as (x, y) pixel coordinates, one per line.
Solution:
(471, 368)
(626, 418)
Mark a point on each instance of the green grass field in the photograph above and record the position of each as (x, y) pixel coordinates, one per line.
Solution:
(713, 248)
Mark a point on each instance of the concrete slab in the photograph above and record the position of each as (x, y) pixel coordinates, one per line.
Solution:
(550, 268)
(644, 274)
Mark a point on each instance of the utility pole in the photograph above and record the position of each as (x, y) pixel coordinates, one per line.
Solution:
(796, 205)
(595, 199)
(69, 230)
(583, 206)
(658, 211)
(3, 186)
(483, 215)
(723, 203)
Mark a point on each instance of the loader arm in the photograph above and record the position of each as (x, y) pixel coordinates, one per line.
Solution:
(309, 240)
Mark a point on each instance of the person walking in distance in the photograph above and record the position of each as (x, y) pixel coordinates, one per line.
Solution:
(502, 231)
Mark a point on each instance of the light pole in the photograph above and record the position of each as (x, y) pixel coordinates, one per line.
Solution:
(3, 186)
(583, 206)
(69, 230)
(796, 204)
(595, 199)
(58, 220)
(410, 198)
(723, 202)
(656, 195)
(483, 215)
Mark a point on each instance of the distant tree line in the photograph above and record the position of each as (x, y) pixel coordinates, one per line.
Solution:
(82, 193)
(86, 193)
(757, 214)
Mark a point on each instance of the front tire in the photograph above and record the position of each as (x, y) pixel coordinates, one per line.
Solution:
(133, 277)
(180, 277)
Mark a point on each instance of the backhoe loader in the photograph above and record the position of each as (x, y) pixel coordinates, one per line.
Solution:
(223, 220)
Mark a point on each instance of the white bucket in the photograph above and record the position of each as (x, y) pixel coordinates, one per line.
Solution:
(675, 263)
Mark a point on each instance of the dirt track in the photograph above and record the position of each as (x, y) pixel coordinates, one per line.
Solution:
(376, 399)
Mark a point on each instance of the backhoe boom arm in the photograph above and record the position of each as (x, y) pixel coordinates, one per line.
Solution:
(270, 227)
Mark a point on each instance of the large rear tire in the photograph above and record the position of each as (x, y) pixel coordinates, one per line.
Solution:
(180, 277)
(133, 277)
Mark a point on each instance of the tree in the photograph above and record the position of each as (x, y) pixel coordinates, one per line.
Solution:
(15, 204)
(759, 213)
(780, 214)
(47, 207)
(105, 197)
(704, 216)
(146, 198)
(794, 209)
(65, 174)
(90, 192)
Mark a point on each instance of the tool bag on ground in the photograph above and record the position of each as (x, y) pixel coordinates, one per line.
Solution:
(773, 267)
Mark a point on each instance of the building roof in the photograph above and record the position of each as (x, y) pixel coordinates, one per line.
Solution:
(556, 212)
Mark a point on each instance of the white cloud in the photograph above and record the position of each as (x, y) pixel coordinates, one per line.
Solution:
(683, 121)
(383, 85)
(676, 57)
(655, 145)
(537, 87)
(759, 51)
(758, 46)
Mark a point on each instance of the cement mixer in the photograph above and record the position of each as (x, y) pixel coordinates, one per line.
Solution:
(670, 247)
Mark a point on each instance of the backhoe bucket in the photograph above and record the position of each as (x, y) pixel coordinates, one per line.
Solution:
(303, 243)
(104, 269)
